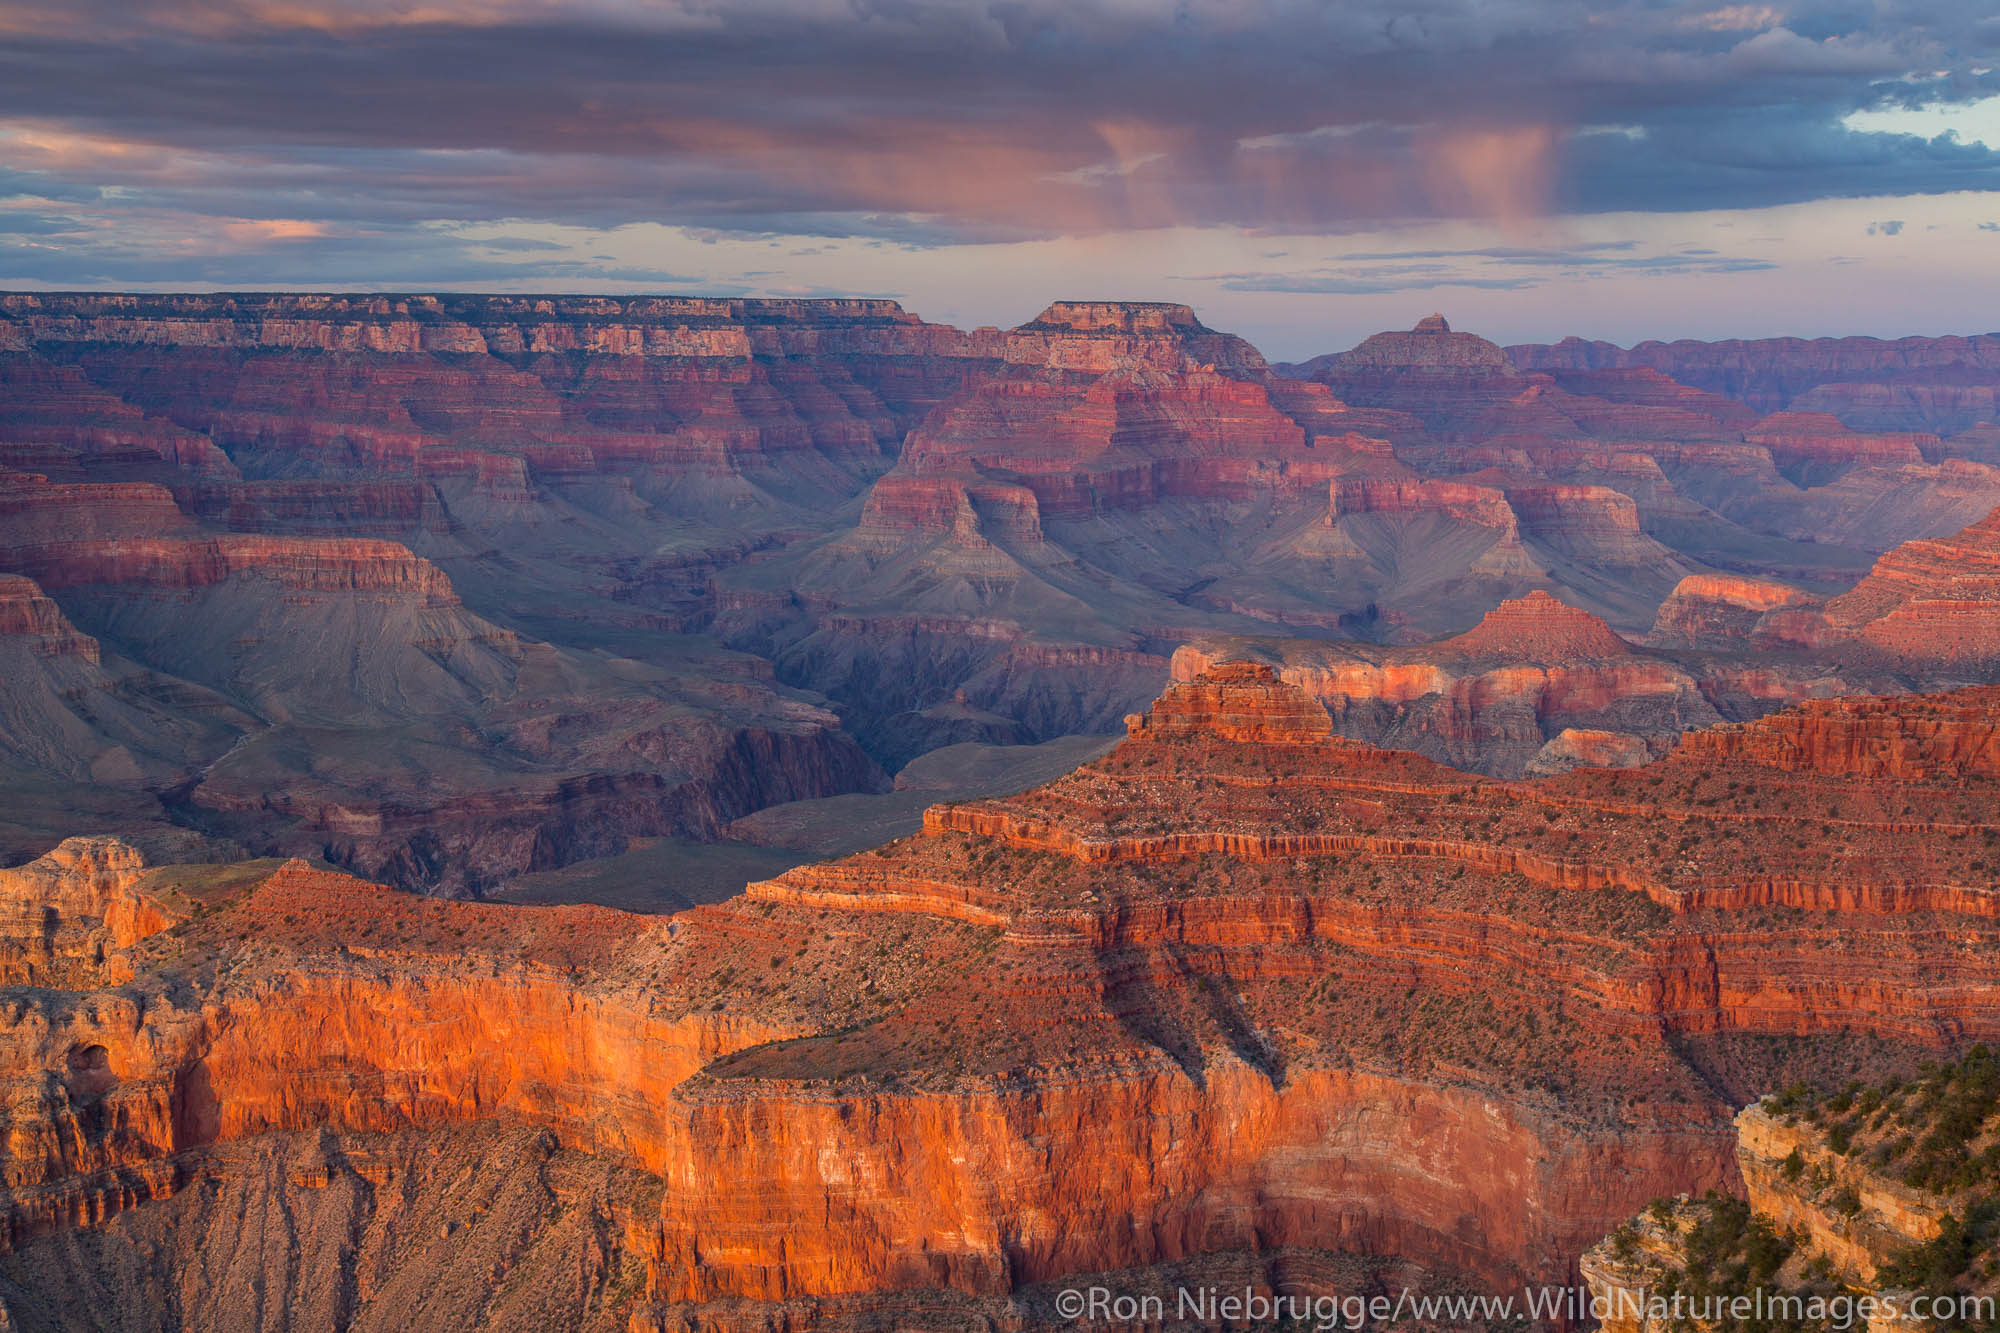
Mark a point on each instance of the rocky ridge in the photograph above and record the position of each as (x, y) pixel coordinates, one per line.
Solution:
(1926, 608)
(1908, 383)
(1496, 698)
(1250, 983)
(1877, 1198)
(833, 536)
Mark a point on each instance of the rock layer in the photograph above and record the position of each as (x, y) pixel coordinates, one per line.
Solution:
(1238, 984)
(1496, 698)
(1907, 383)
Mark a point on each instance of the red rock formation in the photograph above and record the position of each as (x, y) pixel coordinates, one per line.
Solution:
(1674, 410)
(26, 613)
(1237, 701)
(1537, 628)
(1812, 442)
(1918, 739)
(1123, 440)
(1930, 601)
(790, 393)
(67, 918)
(1483, 506)
(1596, 520)
(1582, 747)
(44, 516)
(1496, 697)
(1719, 611)
(1929, 610)
(1101, 336)
(1256, 992)
(357, 565)
(51, 404)
(386, 508)
(1431, 344)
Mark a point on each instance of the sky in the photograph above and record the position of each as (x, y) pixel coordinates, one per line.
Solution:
(1302, 172)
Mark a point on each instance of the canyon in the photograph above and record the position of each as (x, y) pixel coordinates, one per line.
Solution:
(1241, 987)
(1092, 804)
(449, 590)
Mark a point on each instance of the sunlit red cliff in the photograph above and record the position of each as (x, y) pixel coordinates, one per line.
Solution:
(1240, 985)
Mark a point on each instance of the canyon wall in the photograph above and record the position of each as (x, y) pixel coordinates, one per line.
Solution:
(1945, 384)
(449, 589)
(1240, 984)
(1868, 1205)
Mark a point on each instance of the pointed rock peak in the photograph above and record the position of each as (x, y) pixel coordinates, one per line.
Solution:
(1243, 702)
(1538, 628)
(1432, 323)
(1117, 317)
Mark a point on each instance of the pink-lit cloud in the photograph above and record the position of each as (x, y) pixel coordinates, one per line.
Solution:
(277, 137)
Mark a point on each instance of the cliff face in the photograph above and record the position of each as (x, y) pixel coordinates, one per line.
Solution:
(1877, 1199)
(1930, 600)
(72, 914)
(1236, 701)
(70, 716)
(1238, 985)
(1717, 611)
(493, 1227)
(1934, 384)
(1119, 405)
(1927, 609)
(333, 696)
(1407, 487)
(1915, 739)
(1857, 1216)
(362, 534)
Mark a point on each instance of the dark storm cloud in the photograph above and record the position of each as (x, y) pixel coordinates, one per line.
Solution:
(965, 120)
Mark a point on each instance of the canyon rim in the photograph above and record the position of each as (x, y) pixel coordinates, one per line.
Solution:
(745, 666)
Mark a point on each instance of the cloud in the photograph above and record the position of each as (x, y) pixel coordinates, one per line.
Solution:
(1735, 18)
(1338, 286)
(1490, 268)
(963, 121)
(1782, 51)
(37, 224)
(1892, 228)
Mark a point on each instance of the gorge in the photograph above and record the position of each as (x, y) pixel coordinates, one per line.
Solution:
(1098, 806)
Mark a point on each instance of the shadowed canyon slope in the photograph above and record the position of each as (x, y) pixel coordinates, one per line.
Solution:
(452, 589)
(1239, 985)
